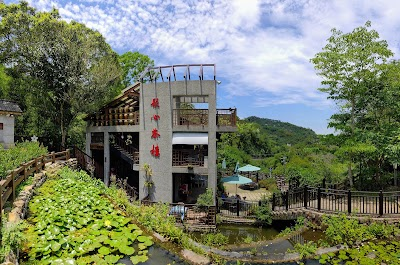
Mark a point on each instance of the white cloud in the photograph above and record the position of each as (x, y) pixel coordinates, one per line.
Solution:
(260, 47)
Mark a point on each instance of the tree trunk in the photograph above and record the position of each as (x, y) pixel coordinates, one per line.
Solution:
(63, 129)
(350, 175)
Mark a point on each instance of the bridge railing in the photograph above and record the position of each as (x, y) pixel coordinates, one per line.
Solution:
(339, 201)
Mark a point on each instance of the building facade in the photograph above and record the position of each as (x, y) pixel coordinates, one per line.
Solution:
(8, 110)
(162, 134)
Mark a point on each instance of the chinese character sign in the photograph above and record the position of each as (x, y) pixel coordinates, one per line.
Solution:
(155, 151)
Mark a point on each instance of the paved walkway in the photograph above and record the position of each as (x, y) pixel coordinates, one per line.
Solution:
(251, 195)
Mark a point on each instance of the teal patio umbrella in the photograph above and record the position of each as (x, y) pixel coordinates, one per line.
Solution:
(248, 168)
(236, 179)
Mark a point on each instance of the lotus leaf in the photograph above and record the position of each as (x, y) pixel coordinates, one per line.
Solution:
(55, 246)
(112, 259)
(127, 250)
(104, 251)
(137, 259)
(142, 246)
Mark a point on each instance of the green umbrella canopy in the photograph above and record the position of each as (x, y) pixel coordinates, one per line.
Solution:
(249, 168)
(236, 179)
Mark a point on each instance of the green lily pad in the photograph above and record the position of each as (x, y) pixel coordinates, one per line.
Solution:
(104, 251)
(112, 259)
(55, 246)
(137, 259)
(127, 250)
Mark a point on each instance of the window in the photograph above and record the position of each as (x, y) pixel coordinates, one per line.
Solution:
(1, 126)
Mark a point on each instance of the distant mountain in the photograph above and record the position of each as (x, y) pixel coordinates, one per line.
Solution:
(283, 133)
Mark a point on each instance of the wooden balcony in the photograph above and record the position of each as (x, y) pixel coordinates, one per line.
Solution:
(189, 157)
(112, 117)
(225, 117)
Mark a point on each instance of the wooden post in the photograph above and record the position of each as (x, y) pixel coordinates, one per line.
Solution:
(36, 165)
(53, 157)
(380, 203)
(237, 207)
(319, 198)
(13, 185)
(43, 162)
(25, 172)
(67, 155)
(305, 196)
(349, 201)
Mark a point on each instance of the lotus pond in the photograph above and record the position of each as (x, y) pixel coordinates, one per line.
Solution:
(72, 221)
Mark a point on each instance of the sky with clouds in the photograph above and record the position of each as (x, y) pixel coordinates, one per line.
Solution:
(262, 48)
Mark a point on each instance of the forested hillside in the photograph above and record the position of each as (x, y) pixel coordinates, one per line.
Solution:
(283, 133)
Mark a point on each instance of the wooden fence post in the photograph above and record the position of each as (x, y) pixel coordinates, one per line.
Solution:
(36, 165)
(53, 157)
(67, 155)
(380, 203)
(349, 201)
(13, 185)
(305, 196)
(42, 161)
(25, 172)
(319, 199)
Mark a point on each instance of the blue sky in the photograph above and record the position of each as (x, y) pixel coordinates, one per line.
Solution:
(261, 48)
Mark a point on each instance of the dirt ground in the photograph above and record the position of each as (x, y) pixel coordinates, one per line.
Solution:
(251, 195)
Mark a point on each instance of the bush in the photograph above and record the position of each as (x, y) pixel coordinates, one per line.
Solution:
(206, 199)
(22, 152)
(263, 212)
(214, 240)
(269, 184)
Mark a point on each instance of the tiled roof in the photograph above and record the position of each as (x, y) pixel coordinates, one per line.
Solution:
(9, 106)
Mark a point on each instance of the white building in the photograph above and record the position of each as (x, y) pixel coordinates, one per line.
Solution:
(8, 110)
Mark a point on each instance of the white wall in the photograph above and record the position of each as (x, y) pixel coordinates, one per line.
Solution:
(7, 134)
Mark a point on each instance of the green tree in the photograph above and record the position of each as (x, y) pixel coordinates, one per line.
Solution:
(350, 65)
(71, 68)
(133, 63)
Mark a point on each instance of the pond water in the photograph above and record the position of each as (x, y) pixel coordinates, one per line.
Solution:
(158, 256)
(238, 233)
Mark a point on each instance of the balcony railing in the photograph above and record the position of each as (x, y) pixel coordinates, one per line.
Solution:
(120, 116)
(188, 157)
(225, 117)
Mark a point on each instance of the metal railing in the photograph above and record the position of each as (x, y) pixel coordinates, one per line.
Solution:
(339, 201)
(233, 207)
(188, 157)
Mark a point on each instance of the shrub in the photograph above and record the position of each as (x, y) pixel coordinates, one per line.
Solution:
(206, 199)
(22, 152)
(214, 240)
(269, 184)
(263, 212)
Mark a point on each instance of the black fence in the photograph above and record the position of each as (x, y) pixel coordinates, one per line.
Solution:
(237, 208)
(338, 201)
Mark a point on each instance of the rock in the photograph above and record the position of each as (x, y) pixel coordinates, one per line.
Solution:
(19, 204)
(195, 258)
(160, 237)
(14, 217)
